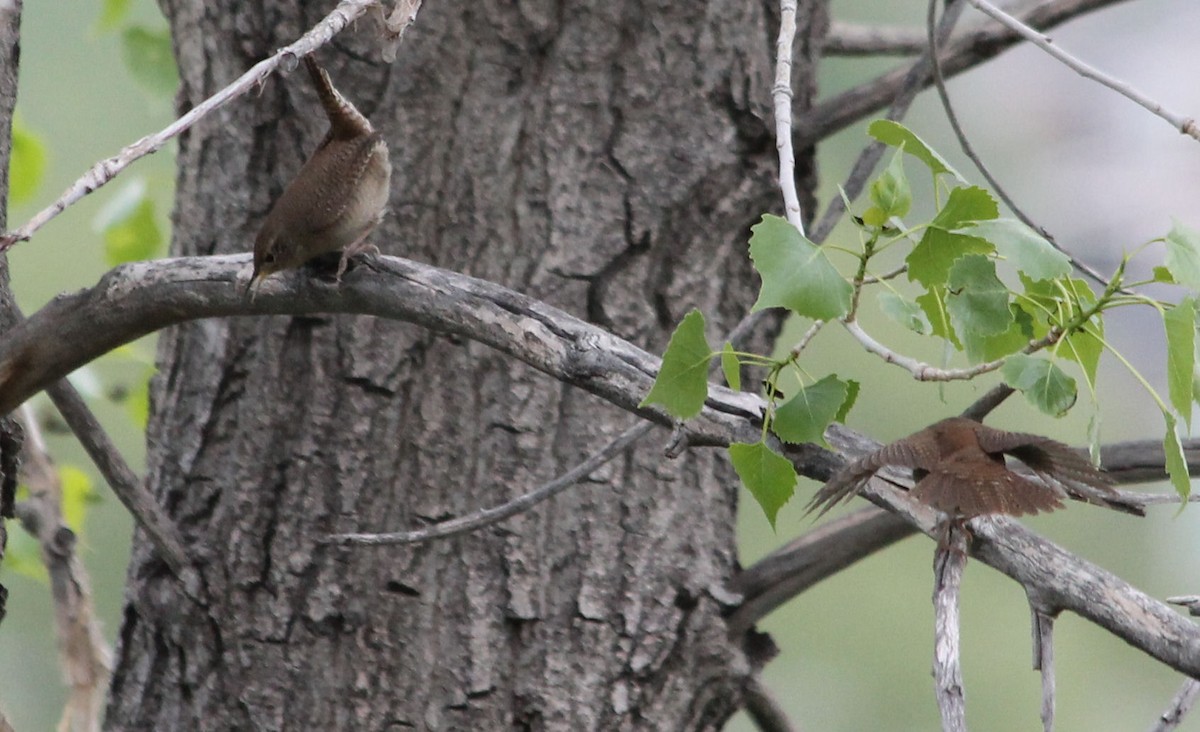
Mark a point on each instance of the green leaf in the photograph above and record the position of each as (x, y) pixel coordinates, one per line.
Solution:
(768, 476)
(1084, 348)
(1183, 255)
(137, 403)
(806, 415)
(930, 260)
(964, 206)
(1177, 467)
(933, 303)
(731, 367)
(1024, 248)
(131, 231)
(890, 193)
(682, 383)
(904, 312)
(1163, 275)
(795, 272)
(28, 164)
(1180, 324)
(981, 348)
(77, 493)
(112, 14)
(1045, 385)
(898, 136)
(23, 556)
(148, 57)
(852, 388)
(977, 301)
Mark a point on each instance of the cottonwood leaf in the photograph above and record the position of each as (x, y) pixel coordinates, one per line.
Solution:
(965, 206)
(890, 193)
(1044, 384)
(1177, 467)
(930, 260)
(1024, 248)
(27, 165)
(904, 312)
(977, 300)
(731, 367)
(768, 476)
(804, 417)
(1180, 325)
(897, 135)
(1183, 255)
(795, 272)
(682, 382)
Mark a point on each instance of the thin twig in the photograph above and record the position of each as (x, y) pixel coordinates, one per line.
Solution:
(781, 95)
(494, 515)
(125, 483)
(1185, 125)
(920, 371)
(968, 149)
(1180, 705)
(764, 709)
(852, 39)
(949, 560)
(104, 171)
(916, 76)
(1043, 659)
(841, 110)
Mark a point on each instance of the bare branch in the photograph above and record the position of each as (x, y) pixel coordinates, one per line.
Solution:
(764, 709)
(913, 78)
(104, 171)
(823, 552)
(949, 561)
(137, 298)
(125, 483)
(1186, 125)
(920, 371)
(969, 150)
(844, 109)
(85, 656)
(1043, 659)
(781, 95)
(1181, 704)
(852, 39)
(495, 515)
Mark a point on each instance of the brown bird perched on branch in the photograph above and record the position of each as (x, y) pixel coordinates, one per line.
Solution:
(959, 468)
(336, 199)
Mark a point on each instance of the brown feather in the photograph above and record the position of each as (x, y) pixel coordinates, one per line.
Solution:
(960, 470)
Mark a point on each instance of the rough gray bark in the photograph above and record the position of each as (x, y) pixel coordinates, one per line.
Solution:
(607, 158)
(10, 432)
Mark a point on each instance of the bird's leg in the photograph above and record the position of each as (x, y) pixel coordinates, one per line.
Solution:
(358, 246)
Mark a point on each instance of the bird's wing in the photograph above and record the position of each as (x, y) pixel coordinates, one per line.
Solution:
(1048, 458)
(331, 176)
(966, 490)
(918, 451)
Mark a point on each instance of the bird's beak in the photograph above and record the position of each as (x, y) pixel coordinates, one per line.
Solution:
(252, 286)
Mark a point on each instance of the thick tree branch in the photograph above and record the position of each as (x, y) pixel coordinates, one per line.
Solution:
(136, 299)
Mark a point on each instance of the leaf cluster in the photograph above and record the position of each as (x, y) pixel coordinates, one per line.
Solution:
(995, 292)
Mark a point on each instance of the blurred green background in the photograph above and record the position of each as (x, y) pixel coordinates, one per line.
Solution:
(1097, 171)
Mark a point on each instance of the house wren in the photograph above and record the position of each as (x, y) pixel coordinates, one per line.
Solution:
(336, 199)
(959, 468)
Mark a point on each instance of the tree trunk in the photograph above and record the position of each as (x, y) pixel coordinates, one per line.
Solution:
(605, 157)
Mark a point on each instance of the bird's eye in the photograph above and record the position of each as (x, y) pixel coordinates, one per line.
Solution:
(269, 258)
